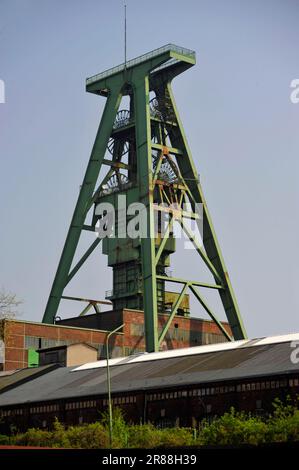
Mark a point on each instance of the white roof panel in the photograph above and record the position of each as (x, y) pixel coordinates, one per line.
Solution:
(190, 351)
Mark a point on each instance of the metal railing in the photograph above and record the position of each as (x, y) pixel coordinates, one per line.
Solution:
(140, 59)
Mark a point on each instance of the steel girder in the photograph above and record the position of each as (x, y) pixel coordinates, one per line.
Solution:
(152, 72)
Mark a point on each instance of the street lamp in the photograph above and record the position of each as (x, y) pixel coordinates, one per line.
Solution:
(108, 380)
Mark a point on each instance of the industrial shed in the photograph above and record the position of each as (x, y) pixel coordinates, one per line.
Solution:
(166, 388)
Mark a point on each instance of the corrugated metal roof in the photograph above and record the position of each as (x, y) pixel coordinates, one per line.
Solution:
(142, 357)
(262, 358)
(12, 378)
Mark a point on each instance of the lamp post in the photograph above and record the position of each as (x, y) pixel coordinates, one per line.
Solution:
(108, 381)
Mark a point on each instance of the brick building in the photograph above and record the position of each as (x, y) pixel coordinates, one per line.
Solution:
(168, 388)
(21, 339)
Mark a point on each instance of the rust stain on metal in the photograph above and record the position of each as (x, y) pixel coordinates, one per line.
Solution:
(165, 150)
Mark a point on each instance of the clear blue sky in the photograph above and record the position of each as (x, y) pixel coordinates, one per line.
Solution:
(242, 128)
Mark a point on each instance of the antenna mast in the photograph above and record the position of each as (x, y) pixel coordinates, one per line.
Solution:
(125, 36)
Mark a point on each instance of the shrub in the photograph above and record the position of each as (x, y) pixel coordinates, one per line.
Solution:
(120, 428)
(59, 435)
(89, 436)
(283, 425)
(176, 437)
(4, 440)
(143, 436)
(233, 428)
(33, 437)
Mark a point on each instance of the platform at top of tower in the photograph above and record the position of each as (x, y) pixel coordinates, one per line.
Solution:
(175, 53)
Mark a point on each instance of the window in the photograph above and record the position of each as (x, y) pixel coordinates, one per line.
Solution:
(137, 329)
(48, 343)
(258, 404)
(32, 342)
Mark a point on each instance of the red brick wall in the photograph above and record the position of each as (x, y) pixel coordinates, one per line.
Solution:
(14, 345)
(16, 356)
(184, 324)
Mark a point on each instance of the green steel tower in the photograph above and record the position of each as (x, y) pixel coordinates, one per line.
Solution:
(148, 162)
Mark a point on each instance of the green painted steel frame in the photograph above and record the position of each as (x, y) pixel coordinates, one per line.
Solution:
(210, 242)
(155, 73)
(63, 274)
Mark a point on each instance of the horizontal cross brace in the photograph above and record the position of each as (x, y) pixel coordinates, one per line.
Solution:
(168, 123)
(91, 301)
(173, 185)
(177, 213)
(88, 228)
(190, 283)
(166, 150)
(116, 164)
